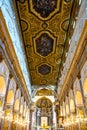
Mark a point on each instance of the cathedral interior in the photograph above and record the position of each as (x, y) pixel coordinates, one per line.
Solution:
(43, 64)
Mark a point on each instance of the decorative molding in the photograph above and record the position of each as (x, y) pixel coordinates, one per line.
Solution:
(55, 26)
(78, 61)
(11, 57)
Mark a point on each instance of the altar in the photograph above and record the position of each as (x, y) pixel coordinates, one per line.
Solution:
(45, 127)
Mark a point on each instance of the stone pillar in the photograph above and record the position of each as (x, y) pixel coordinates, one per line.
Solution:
(38, 116)
(35, 113)
(30, 126)
(57, 114)
(74, 113)
(28, 119)
(83, 98)
(54, 116)
(14, 123)
(81, 88)
(34, 118)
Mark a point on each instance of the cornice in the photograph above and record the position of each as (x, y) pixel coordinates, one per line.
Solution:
(76, 59)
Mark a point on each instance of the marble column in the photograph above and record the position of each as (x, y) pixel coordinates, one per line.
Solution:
(34, 119)
(57, 113)
(83, 98)
(54, 116)
(30, 126)
(81, 88)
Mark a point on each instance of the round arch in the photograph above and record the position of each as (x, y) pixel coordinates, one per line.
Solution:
(10, 97)
(85, 86)
(72, 105)
(21, 105)
(25, 108)
(21, 109)
(44, 102)
(47, 87)
(16, 105)
(1, 103)
(64, 109)
(2, 85)
(78, 98)
(67, 109)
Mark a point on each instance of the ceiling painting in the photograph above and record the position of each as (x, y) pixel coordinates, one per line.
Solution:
(44, 9)
(44, 44)
(44, 69)
(44, 26)
(44, 102)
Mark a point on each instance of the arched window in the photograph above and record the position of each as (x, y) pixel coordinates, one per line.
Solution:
(27, 113)
(2, 85)
(78, 98)
(85, 86)
(24, 111)
(72, 106)
(63, 109)
(21, 109)
(16, 105)
(10, 97)
(67, 109)
(1, 104)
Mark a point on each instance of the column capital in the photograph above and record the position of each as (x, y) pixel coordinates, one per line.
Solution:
(1, 58)
(56, 103)
(31, 110)
(10, 75)
(72, 87)
(79, 75)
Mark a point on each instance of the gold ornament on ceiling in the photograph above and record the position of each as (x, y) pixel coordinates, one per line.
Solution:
(44, 27)
(45, 92)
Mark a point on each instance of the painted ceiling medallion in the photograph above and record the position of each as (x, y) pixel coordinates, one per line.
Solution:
(44, 69)
(44, 8)
(44, 44)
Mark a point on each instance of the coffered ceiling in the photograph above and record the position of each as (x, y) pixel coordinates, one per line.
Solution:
(46, 28)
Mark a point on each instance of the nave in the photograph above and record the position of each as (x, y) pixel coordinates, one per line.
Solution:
(33, 94)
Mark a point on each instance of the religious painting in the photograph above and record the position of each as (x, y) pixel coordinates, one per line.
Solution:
(44, 44)
(44, 69)
(44, 7)
(44, 103)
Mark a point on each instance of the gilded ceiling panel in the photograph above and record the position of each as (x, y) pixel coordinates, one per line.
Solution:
(45, 92)
(44, 26)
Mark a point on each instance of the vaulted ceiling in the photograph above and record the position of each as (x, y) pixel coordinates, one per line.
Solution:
(44, 92)
(46, 27)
